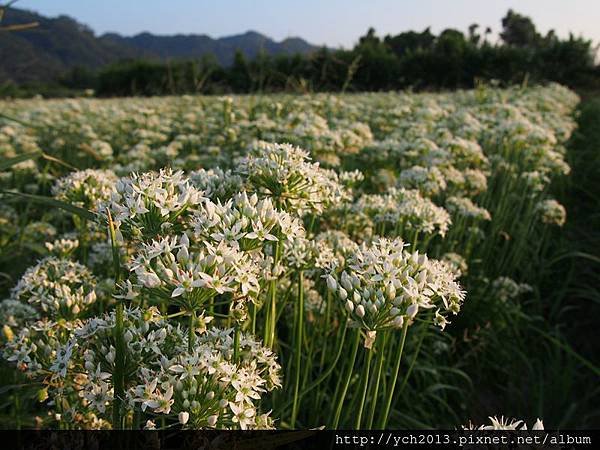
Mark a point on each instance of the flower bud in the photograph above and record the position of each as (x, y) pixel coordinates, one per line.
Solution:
(150, 280)
(185, 240)
(183, 255)
(183, 417)
(349, 306)
(412, 310)
(372, 308)
(8, 332)
(212, 420)
(390, 291)
(538, 425)
(346, 281)
(331, 283)
(360, 311)
(90, 298)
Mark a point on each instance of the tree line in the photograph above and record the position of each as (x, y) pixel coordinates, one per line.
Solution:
(409, 60)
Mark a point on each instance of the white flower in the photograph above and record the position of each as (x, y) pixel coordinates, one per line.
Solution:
(552, 212)
(149, 202)
(242, 414)
(404, 209)
(57, 288)
(463, 206)
(203, 270)
(98, 396)
(286, 174)
(161, 403)
(63, 355)
(86, 188)
(383, 285)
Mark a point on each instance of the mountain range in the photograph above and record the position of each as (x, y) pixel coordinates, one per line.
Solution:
(59, 44)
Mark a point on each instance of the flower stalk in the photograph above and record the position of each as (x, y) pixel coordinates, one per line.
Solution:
(365, 385)
(378, 371)
(395, 371)
(119, 370)
(342, 397)
(298, 346)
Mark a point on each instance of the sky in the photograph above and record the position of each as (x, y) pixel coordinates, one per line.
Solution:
(335, 23)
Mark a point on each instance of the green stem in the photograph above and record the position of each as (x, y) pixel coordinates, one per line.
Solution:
(365, 385)
(390, 397)
(83, 238)
(414, 240)
(119, 373)
(340, 402)
(329, 370)
(414, 358)
(272, 312)
(298, 349)
(17, 401)
(236, 344)
(191, 332)
(253, 318)
(325, 328)
(380, 359)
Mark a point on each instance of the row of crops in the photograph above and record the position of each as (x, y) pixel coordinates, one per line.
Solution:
(347, 261)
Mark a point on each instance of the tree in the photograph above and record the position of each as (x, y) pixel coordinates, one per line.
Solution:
(518, 30)
(369, 39)
(474, 38)
(239, 74)
(410, 41)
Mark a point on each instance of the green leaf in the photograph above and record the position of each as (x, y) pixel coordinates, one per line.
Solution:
(81, 212)
(8, 163)
(582, 255)
(569, 350)
(50, 158)
(12, 119)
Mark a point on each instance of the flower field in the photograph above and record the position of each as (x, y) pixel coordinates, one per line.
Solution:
(346, 261)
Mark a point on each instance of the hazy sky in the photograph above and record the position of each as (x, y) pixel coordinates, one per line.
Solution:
(330, 22)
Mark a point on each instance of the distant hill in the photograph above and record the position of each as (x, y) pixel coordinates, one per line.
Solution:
(197, 45)
(61, 43)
